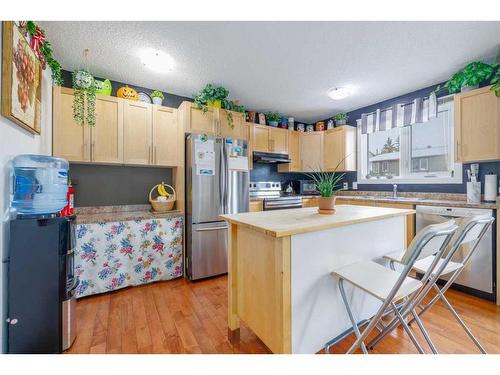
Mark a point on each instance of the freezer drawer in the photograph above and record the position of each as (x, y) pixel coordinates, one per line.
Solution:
(208, 250)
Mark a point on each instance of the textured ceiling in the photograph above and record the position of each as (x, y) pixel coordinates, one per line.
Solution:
(283, 66)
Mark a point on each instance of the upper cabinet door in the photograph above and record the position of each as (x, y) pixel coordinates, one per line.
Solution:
(293, 154)
(333, 150)
(237, 131)
(278, 140)
(70, 140)
(107, 135)
(311, 151)
(197, 121)
(165, 136)
(260, 138)
(477, 125)
(137, 133)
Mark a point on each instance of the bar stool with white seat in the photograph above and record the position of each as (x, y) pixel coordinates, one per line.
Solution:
(470, 233)
(390, 286)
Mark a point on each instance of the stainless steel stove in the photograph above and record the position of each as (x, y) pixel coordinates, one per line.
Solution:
(274, 198)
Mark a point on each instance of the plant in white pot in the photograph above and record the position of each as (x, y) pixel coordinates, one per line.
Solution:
(157, 97)
(328, 185)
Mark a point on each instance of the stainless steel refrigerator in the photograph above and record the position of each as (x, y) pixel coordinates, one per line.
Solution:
(215, 184)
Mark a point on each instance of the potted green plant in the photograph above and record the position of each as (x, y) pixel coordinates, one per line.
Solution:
(157, 97)
(496, 83)
(340, 119)
(211, 96)
(469, 77)
(328, 185)
(273, 119)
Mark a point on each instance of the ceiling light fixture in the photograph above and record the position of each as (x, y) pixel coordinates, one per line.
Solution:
(157, 60)
(338, 93)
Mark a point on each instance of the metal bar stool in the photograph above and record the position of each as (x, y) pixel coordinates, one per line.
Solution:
(390, 286)
(470, 233)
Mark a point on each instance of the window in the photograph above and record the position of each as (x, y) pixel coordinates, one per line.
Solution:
(420, 153)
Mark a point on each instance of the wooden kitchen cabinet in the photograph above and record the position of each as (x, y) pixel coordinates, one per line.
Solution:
(165, 137)
(256, 206)
(278, 140)
(260, 138)
(293, 154)
(339, 149)
(477, 126)
(197, 121)
(107, 135)
(239, 129)
(137, 133)
(70, 141)
(311, 151)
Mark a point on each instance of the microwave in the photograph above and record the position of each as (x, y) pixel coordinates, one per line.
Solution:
(307, 187)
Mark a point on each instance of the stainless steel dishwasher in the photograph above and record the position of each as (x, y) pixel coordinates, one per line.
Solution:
(478, 277)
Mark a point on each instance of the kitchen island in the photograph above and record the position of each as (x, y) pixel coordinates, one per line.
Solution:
(280, 264)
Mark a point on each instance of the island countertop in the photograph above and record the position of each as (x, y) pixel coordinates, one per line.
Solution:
(281, 223)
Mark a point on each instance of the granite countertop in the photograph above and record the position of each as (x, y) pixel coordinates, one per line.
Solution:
(100, 214)
(430, 199)
(280, 223)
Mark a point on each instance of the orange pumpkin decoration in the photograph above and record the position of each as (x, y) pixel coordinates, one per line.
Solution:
(126, 92)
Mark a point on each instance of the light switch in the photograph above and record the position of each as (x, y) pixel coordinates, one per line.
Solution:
(354, 186)
(345, 185)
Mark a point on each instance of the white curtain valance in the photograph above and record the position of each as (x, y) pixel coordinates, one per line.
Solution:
(399, 115)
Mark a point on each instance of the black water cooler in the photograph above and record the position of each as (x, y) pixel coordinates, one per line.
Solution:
(41, 284)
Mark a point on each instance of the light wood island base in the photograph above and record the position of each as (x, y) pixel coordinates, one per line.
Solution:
(279, 279)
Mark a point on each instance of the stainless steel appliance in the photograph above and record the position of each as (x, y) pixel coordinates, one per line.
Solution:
(478, 277)
(215, 184)
(270, 158)
(273, 197)
(41, 285)
(307, 187)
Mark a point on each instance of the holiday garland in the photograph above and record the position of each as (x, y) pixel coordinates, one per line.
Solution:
(43, 49)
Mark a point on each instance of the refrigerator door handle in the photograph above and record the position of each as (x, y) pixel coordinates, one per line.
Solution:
(221, 181)
(210, 229)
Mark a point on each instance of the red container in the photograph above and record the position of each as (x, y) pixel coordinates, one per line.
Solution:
(69, 209)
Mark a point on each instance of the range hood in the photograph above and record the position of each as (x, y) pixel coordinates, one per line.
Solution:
(269, 157)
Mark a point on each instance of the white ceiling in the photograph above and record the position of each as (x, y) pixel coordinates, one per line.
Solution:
(282, 66)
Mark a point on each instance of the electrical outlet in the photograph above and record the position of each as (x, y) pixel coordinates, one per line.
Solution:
(345, 185)
(354, 186)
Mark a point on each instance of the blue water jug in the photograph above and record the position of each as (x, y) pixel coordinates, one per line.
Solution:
(39, 184)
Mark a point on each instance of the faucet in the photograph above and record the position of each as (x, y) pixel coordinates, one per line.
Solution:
(394, 191)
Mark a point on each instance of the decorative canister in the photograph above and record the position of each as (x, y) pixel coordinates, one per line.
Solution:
(320, 125)
(283, 123)
(262, 119)
(309, 128)
(251, 116)
(300, 127)
(329, 124)
(291, 121)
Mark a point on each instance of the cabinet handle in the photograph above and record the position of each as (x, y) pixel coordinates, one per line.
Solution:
(456, 151)
(149, 154)
(92, 151)
(84, 150)
(154, 155)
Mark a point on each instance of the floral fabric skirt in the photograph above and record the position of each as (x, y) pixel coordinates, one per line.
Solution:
(114, 255)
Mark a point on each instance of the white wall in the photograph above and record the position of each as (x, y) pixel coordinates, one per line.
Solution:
(13, 141)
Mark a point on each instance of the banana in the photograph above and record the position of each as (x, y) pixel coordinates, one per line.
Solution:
(162, 191)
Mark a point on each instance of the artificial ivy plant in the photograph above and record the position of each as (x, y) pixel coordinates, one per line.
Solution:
(84, 94)
(211, 94)
(496, 83)
(471, 75)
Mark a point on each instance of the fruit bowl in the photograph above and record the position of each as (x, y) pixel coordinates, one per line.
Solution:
(164, 200)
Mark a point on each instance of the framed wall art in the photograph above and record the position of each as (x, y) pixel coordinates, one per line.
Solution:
(21, 80)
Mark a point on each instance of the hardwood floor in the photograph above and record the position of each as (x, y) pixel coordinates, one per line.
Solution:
(179, 316)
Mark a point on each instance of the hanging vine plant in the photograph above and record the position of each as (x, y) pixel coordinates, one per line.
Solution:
(84, 98)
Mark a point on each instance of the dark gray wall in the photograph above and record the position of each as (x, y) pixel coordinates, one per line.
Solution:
(103, 185)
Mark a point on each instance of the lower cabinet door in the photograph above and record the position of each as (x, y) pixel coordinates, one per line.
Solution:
(208, 250)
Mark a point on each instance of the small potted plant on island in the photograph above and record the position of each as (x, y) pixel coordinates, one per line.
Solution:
(157, 97)
(340, 119)
(328, 185)
(273, 119)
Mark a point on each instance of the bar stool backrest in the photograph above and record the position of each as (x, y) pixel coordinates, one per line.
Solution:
(427, 240)
(470, 231)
